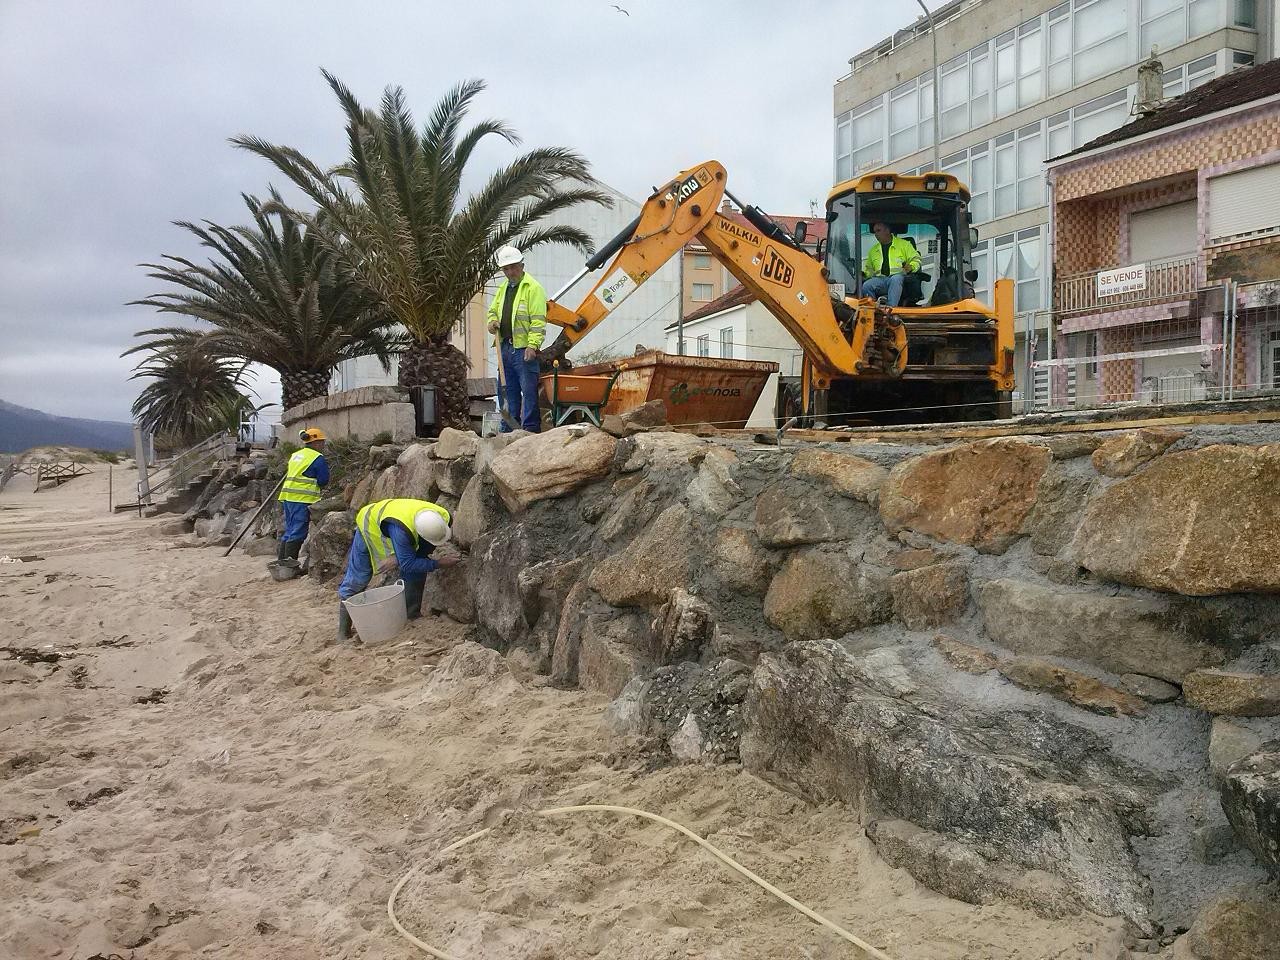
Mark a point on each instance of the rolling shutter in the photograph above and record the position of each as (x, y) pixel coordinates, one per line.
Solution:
(1245, 202)
(1162, 232)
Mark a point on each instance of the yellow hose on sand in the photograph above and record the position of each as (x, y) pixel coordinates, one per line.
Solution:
(724, 858)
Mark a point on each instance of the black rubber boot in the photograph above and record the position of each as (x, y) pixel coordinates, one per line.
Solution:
(344, 623)
(413, 597)
(282, 550)
(293, 548)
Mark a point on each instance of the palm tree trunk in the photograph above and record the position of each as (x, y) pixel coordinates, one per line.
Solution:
(437, 362)
(299, 386)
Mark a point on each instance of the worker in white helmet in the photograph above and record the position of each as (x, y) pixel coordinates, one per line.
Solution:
(518, 319)
(389, 534)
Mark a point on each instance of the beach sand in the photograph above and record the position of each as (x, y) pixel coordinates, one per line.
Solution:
(186, 770)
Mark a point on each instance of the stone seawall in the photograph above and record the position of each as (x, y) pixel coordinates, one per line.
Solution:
(1044, 669)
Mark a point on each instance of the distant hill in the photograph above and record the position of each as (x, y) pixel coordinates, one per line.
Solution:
(22, 427)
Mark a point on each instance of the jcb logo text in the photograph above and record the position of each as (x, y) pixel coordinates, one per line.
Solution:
(776, 269)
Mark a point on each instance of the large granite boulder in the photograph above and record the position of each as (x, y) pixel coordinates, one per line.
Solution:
(452, 444)
(978, 494)
(930, 596)
(1197, 522)
(787, 517)
(740, 563)
(1120, 634)
(821, 593)
(551, 464)
(478, 512)
(1241, 925)
(1060, 502)
(415, 477)
(850, 476)
(658, 561)
(1251, 801)
(328, 543)
(1121, 455)
(1023, 789)
(713, 491)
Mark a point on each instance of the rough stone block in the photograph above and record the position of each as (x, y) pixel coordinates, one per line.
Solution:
(850, 476)
(1071, 686)
(1120, 634)
(930, 596)
(1232, 693)
(546, 465)
(1180, 524)
(965, 656)
(820, 594)
(978, 494)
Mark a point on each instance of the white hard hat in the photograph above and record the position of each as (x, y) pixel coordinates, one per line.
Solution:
(432, 527)
(508, 256)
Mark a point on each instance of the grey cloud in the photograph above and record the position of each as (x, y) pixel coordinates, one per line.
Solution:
(116, 118)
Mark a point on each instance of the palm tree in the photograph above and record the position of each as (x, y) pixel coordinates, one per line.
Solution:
(416, 241)
(278, 297)
(194, 391)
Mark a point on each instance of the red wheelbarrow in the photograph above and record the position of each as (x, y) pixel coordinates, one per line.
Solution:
(570, 393)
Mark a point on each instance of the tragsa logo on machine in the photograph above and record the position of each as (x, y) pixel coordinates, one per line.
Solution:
(616, 288)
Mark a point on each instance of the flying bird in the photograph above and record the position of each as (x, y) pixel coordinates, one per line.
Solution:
(619, 9)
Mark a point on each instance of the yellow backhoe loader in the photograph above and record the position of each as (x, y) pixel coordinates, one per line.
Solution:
(939, 355)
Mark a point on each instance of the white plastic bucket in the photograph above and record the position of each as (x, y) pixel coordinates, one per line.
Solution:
(378, 614)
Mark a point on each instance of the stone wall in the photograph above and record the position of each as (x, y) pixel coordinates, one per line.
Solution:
(1043, 668)
(364, 412)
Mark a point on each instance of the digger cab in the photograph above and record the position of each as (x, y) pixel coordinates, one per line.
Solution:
(931, 212)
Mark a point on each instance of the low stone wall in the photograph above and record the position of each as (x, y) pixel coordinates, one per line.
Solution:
(364, 412)
(1043, 668)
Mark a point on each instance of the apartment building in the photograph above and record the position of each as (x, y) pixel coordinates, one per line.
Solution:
(1021, 83)
(1166, 250)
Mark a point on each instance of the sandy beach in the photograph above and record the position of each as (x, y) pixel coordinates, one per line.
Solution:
(187, 770)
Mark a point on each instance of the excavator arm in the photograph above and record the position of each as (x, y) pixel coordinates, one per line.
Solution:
(837, 339)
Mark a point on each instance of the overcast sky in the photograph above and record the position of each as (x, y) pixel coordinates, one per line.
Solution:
(115, 119)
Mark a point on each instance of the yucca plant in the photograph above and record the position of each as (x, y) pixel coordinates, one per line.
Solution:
(422, 246)
(194, 391)
(278, 296)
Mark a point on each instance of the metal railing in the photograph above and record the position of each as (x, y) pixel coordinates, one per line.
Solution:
(169, 475)
(1166, 280)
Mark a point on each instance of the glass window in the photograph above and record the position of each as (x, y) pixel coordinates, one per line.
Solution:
(1059, 138)
(1198, 71)
(982, 287)
(1164, 24)
(1006, 77)
(1027, 295)
(702, 291)
(726, 343)
(704, 345)
(1031, 182)
(980, 87)
(1203, 16)
(980, 183)
(868, 138)
(1246, 15)
(1174, 84)
(1006, 170)
(1241, 58)
(903, 117)
(702, 261)
(844, 147)
(1030, 60)
(1100, 116)
(1060, 50)
(926, 113)
(1100, 37)
(955, 100)
(1002, 249)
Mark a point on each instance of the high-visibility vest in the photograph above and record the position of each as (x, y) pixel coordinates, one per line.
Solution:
(369, 524)
(528, 314)
(297, 488)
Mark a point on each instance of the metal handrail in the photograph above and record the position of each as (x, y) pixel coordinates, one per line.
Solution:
(1166, 280)
(192, 459)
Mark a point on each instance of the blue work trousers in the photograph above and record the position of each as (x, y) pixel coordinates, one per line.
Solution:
(889, 287)
(360, 572)
(297, 518)
(522, 389)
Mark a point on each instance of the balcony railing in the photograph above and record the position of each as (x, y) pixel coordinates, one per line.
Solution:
(1166, 280)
